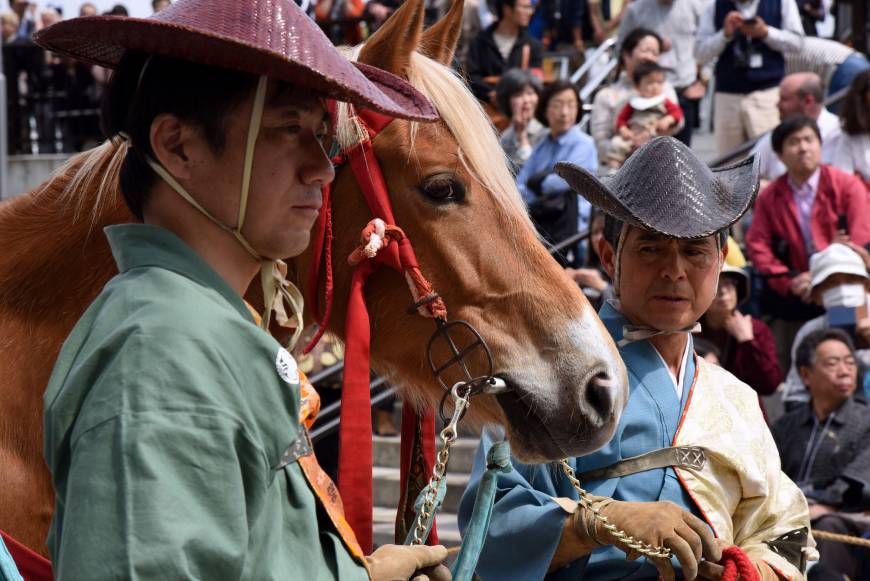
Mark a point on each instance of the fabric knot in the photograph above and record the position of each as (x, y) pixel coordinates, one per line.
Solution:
(635, 333)
(376, 236)
(277, 291)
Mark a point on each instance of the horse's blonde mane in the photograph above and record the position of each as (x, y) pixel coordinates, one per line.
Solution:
(479, 149)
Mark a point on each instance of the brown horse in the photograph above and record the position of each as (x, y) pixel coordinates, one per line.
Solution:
(480, 252)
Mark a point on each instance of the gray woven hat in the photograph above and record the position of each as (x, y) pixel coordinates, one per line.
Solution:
(665, 188)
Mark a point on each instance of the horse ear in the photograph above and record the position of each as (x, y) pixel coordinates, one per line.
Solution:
(440, 40)
(391, 47)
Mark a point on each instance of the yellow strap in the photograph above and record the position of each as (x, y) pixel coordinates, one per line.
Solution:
(253, 132)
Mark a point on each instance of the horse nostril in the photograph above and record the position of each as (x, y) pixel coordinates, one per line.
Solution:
(599, 394)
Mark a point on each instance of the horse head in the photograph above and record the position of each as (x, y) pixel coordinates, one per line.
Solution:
(454, 196)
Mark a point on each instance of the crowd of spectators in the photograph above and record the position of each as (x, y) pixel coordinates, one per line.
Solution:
(789, 318)
(52, 101)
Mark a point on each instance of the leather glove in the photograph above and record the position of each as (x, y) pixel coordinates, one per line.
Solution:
(661, 524)
(401, 563)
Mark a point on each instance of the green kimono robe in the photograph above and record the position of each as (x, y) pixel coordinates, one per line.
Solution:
(166, 418)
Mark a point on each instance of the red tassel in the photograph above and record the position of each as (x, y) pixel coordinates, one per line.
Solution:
(738, 565)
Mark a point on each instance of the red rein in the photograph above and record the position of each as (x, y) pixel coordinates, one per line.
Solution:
(355, 433)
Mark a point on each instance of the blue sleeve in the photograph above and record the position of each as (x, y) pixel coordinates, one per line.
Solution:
(526, 524)
(553, 184)
(523, 177)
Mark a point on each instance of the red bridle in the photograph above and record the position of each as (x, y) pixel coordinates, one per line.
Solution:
(382, 244)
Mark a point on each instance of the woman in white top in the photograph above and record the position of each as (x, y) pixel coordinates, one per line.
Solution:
(853, 150)
(640, 45)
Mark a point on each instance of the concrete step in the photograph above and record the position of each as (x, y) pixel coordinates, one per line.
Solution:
(386, 452)
(386, 488)
(385, 522)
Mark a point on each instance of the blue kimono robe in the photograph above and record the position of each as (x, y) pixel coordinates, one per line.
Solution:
(527, 524)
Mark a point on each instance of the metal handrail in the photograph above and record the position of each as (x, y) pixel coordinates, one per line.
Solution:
(742, 150)
(594, 58)
(596, 81)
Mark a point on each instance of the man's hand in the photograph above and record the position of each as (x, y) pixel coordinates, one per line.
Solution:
(800, 286)
(733, 21)
(755, 28)
(695, 91)
(640, 137)
(739, 326)
(401, 563)
(658, 524)
(862, 329)
(588, 278)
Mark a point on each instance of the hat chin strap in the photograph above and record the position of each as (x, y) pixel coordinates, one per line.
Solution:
(634, 333)
(273, 273)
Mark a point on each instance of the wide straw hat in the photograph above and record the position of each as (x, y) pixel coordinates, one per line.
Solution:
(835, 259)
(262, 37)
(665, 188)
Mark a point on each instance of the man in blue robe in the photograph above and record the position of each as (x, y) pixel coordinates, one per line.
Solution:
(692, 458)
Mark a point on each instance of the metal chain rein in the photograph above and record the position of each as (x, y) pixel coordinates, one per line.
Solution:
(448, 436)
(586, 502)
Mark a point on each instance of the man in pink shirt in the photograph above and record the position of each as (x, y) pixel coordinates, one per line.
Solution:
(800, 213)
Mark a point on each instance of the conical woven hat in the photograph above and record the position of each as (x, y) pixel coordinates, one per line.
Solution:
(665, 188)
(262, 37)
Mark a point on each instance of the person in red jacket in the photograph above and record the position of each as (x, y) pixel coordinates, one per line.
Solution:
(745, 344)
(800, 213)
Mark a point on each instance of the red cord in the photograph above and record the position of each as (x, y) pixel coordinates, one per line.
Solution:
(737, 565)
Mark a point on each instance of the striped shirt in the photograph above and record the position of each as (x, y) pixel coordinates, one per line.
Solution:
(818, 55)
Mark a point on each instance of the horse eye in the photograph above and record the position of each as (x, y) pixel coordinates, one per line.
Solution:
(443, 189)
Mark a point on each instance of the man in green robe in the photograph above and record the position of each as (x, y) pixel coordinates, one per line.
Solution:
(171, 419)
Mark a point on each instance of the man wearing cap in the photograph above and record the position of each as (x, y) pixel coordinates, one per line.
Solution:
(173, 423)
(692, 456)
(840, 284)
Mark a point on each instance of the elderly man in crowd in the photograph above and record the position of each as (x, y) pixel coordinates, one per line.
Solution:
(799, 94)
(692, 456)
(840, 284)
(676, 21)
(748, 40)
(797, 215)
(823, 445)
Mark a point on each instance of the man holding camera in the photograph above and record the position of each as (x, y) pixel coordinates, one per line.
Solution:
(749, 38)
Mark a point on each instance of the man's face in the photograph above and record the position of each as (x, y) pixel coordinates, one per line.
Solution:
(833, 377)
(289, 169)
(520, 13)
(665, 283)
(835, 280)
(801, 152)
(789, 101)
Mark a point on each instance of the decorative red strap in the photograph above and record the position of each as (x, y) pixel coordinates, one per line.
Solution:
(738, 565)
(31, 565)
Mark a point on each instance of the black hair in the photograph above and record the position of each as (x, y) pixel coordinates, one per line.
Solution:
(646, 68)
(512, 82)
(499, 7)
(790, 126)
(553, 90)
(854, 115)
(613, 227)
(118, 10)
(633, 38)
(704, 347)
(805, 356)
(201, 95)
